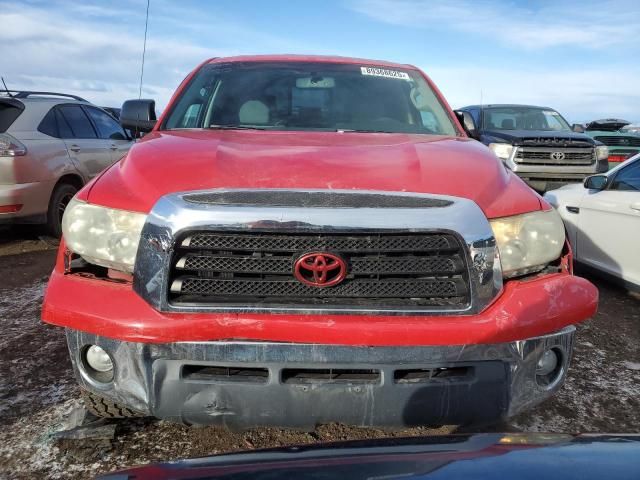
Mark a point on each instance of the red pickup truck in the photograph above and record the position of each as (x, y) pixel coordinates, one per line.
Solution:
(302, 239)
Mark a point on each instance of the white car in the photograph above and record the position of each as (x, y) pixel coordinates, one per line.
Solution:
(602, 218)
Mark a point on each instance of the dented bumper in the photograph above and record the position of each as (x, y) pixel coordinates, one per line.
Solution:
(244, 384)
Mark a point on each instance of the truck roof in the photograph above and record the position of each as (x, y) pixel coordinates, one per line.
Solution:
(308, 58)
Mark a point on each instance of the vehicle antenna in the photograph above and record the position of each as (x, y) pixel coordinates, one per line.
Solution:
(481, 110)
(144, 48)
(5, 87)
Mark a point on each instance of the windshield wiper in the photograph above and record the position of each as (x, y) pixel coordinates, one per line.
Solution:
(234, 127)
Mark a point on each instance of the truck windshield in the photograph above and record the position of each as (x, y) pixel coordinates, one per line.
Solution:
(311, 97)
(523, 118)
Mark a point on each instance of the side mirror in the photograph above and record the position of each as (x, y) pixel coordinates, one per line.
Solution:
(467, 122)
(138, 115)
(596, 182)
(578, 128)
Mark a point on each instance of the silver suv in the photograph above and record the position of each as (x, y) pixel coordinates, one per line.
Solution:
(51, 144)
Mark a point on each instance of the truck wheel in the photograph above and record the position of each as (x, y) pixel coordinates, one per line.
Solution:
(101, 407)
(60, 198)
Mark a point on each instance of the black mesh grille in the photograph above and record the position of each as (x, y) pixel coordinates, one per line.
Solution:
(619, 141)
(359, 265)
(250, 242)
(257, 269)
(360, 288)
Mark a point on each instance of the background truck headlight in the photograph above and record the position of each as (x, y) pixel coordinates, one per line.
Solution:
(502, 150)
(602, 152)
(103, 236)
(528, 242)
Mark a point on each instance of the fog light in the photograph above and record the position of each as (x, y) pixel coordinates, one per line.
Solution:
(550, 368)
(98, 359)
(548, 363)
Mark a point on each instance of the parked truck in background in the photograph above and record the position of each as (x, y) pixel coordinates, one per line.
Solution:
(537, 144)
(622, 144)
(302, 240)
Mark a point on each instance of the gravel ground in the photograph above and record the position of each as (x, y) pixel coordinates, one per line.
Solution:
(38, 395)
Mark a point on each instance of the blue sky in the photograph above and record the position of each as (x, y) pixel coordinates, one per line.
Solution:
(580, 57)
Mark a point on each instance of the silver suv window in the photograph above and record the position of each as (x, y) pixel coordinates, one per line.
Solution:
(9, 112)
(107, 127)
(78, 121)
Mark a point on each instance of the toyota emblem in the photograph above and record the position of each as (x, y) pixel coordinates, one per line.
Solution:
(557, 156)
(320, 269)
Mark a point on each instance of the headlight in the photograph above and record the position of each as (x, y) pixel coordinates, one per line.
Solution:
(528, 242)
(502, 150)
(602, 152)
(104, 236)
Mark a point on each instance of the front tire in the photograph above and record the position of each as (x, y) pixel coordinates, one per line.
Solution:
(104, 408)
(60, 198)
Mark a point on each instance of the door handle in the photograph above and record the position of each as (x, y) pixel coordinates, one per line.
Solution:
(74, 148)
(113, 147)
(635, 206)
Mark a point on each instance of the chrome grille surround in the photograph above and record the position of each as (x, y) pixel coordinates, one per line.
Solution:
(544, 156)
(174, 215)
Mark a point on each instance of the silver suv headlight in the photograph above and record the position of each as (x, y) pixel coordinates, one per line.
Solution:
(103, 236)
(528, 242)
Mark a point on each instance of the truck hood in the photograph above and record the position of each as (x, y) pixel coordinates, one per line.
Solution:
(173, 161)
(540, 137)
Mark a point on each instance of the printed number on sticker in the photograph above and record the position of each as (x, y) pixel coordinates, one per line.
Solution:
(383, 72)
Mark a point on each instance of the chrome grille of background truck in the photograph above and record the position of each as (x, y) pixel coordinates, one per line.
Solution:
(545, 156)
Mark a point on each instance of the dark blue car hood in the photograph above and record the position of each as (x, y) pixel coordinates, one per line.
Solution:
(480, 456)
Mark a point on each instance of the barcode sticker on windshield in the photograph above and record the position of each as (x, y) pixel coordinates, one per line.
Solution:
(383, 72)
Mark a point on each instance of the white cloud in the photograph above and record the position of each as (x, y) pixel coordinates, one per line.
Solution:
(534, 26)
(95, 50)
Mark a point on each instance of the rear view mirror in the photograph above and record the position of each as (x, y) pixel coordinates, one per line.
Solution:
(138, 115)
(596, 182)
(467, 122)
(578, 128)
(315, 82)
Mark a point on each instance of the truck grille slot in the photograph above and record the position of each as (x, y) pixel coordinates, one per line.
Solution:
(545, 156)
(615, 141)
(305, 376)
(245, 269)
(225, 374)
(426, 375)
(279, 243)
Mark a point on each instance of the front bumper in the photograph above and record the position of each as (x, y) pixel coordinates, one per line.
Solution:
(295, 386)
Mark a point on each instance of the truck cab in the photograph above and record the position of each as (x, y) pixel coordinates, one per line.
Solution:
(537, 144)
